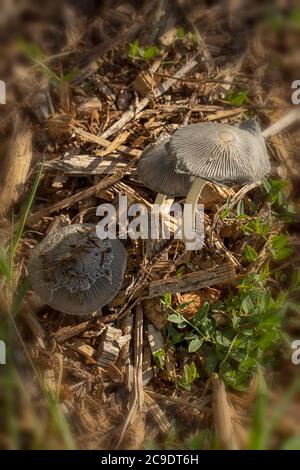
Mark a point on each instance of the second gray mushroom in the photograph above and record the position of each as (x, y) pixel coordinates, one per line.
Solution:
(156, 170)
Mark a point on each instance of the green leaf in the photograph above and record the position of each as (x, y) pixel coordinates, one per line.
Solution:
(159, 356)
(212, 362)
(250, 254)
(180, 271)
(222, 340)
(174, 318)
(202, 313)
(238, 98)
(180, 32)
(134, 49)
(240, 209)
(195, 344)
(247, 304)
(279, 247)
(151, 52)
(174, 336)
(190, 374)
(166, 300)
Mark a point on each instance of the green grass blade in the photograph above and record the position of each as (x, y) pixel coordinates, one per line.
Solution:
(24, 215)
(18, 298)
(263, 426)
(4, 264)
(257, 432)
(61, 425)
(279, 411)
(293, 443)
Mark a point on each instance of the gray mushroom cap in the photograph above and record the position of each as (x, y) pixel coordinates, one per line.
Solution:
(75, 272)
(156, 169)
(220, 153)
(252, 126)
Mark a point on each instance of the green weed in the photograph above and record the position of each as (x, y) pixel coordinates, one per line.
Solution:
(137, 52)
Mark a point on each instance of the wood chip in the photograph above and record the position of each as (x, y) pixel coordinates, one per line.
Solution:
(85, 165)
(108, 349)
(84, 349)
(157, 92)
(191, 282)
(68, 332)
(79, 197)
(156, 339)
(15, 164)
(143, 84)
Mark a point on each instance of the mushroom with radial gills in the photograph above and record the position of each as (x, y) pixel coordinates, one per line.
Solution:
(219, 153)
(156, 170)
(74, 271)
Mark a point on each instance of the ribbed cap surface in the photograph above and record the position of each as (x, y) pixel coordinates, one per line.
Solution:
(75, 272)
(219, 152)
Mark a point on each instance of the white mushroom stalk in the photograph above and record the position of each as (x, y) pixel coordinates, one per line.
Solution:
(189, 226)
(160, 200)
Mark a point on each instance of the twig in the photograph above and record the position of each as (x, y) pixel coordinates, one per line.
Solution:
(193, 281)
(159, 91)
(189, 15)
(86, 193)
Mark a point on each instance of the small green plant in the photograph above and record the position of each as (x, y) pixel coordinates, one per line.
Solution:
(180, 32)
(250, 254)
(238, 98)
(240, 210)
(159, 358)
(137, 52)
(257, 226)
(190, 374)
(226, 210)
(237, 348)
(276, 195)
(187, 36)
(279, 247)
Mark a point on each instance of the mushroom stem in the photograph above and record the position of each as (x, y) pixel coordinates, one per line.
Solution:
(192, 198)
(282, 123)
(164, 204)
(160, 199)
